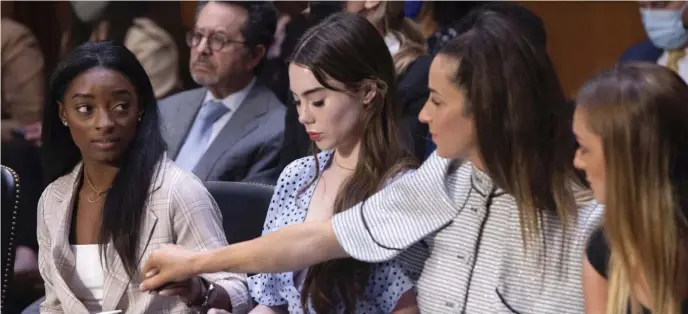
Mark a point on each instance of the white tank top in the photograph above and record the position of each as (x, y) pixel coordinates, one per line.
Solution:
(87, 280)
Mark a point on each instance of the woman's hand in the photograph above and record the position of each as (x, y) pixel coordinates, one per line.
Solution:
(168, 264)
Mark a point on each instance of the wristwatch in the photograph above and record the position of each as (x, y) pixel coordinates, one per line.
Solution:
(206, 299)
(202, 302)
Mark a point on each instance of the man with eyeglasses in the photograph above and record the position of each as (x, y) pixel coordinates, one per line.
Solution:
(231, 128)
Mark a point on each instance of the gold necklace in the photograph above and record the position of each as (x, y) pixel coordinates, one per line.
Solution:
(101, 194)
(340, 166)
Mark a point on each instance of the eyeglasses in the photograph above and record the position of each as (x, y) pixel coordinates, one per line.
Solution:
(215, 41)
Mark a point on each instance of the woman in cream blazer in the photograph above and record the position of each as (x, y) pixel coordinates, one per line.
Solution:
(115, 197)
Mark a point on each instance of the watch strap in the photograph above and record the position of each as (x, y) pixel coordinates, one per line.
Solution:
(201, 296)
(206, 302)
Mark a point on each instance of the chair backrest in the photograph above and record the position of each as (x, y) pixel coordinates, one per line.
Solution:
(10, 211)
(244, 207)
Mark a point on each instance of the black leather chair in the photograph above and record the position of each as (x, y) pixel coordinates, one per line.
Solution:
(10, 211)
(244, 207)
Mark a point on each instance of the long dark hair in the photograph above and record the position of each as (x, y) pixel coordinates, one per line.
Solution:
(126, 200)
(348, 49)
(522, 118)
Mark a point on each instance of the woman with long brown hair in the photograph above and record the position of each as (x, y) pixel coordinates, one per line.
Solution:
(496, 209)
(342, 80)
(632, 126)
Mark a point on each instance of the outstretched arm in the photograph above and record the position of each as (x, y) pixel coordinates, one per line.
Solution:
(394, 219)
(287, 249)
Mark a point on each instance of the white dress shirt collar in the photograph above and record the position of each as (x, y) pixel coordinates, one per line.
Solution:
(233, 101)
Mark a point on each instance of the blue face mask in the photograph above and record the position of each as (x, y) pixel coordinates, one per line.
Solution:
(665, 27)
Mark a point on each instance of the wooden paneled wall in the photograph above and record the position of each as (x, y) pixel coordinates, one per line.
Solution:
(585, 37)
(188, 9)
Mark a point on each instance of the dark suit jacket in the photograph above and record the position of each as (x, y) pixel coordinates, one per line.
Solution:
(247, 148)
(642, 51)
(413, 93)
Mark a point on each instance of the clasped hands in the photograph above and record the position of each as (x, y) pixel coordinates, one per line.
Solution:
(166, 267)
(170, 271)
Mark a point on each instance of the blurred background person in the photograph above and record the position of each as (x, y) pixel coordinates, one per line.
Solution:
(666, 24)
(437, 20)
(136, 25)
(22, 83)
(22, 87)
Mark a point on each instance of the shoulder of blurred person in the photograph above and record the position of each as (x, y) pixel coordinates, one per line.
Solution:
(13, 31)
(157, 51)
(642, 51)
(416, 76)
(413, 94)
(15, 34)
(22, 73)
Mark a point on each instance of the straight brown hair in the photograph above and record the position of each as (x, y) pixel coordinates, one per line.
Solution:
(640, 111)
(348, 49)
(522, 118)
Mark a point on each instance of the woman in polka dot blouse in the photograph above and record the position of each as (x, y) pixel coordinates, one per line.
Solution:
(341, 77)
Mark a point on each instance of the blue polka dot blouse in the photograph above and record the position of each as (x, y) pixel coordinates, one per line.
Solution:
(388, 280)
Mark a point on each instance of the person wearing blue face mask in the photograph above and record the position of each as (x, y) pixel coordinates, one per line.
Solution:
(665, 24)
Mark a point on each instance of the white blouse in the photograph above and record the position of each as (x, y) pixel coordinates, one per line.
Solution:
(87, 279)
